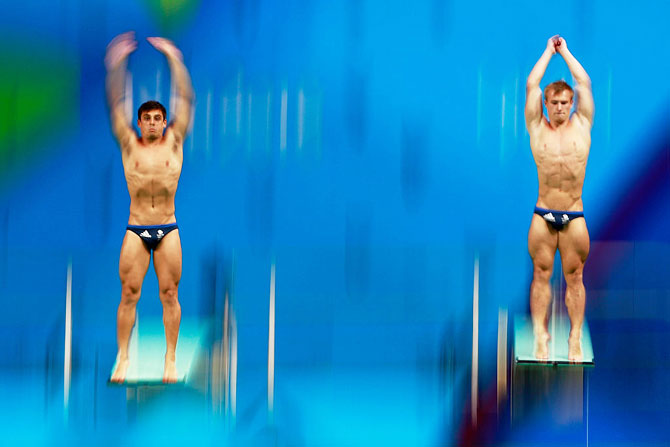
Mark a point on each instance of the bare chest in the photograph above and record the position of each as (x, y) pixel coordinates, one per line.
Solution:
(566, 148)
(152, 163)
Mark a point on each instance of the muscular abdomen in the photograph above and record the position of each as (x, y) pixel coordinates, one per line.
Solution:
(152, 179)
(561, 165)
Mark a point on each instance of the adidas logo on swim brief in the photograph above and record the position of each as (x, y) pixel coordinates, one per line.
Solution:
(145, 233)
(549, 217)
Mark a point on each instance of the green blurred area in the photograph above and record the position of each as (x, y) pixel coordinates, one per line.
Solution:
(172, 15)
(39, 100)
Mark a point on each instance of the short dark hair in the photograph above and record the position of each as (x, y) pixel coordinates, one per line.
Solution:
(557, 87)
(151, 105)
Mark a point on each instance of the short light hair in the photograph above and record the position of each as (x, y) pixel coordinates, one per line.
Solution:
(557, 87)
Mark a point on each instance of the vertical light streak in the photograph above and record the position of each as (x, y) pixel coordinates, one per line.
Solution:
(479, 106)
(233, 366)
(319, 112)
(208, 124)
(225, 354)
(67, 355)
(283, 120)
(238, 105)
(271, 343)
(225, 115)
(502, 113)
(268, 117)
(249, 101)
(301, 117)
(502, 129)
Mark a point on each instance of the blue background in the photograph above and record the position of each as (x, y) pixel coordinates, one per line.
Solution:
(372, 150)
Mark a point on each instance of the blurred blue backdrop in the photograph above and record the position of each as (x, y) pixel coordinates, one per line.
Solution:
(371, 150)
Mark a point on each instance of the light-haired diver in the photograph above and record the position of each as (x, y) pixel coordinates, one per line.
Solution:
(560, 144)
(152, 164)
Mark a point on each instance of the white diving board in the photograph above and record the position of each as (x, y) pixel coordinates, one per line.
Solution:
(559, 328)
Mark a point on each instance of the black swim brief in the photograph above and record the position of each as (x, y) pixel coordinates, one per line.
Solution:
(558, 219)
(152, 235)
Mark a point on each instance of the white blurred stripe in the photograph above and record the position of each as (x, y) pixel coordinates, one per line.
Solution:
(271, 343)
(225, 352)
(233, 366)
(225, 114)
(479, 105)
(249, 101)
(208, 124)
(267, 122)
(301, 117)
(67, 356)
(502, 128)
(238, 105)
(502, 113)
(283, 120)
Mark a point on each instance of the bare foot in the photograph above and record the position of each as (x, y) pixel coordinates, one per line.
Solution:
(119, 375)
(542, 346)
(170, 372)
(575, 349)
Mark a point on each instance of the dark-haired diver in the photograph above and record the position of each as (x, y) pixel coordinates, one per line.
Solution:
(560, 144)
(152, 164)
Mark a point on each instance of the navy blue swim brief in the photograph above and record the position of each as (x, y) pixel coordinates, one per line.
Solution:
(152, 235)
(558, 219)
